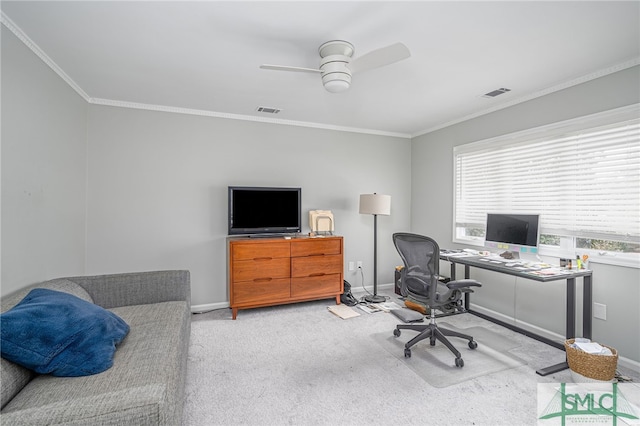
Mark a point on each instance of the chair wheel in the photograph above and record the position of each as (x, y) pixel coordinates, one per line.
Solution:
(459, 362)
(407, 353)
(396, 332)
(473, 344)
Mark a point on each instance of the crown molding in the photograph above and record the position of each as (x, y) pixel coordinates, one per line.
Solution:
(564, 85)
(11, 26)
(206, 113)
(7, 22)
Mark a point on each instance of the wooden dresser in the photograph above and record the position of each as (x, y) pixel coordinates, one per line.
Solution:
(274, 271)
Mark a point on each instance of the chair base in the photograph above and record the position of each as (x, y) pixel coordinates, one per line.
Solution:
(374, 298)
(432, 332)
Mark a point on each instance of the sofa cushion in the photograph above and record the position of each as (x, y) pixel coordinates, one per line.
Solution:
(53, 332)
(13, 376)
(144, 386)
(59, 284)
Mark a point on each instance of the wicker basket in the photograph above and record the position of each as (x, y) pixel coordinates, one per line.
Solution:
(599, 367)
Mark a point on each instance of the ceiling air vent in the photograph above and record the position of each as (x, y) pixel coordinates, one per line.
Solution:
(268, 110)
(496, 92)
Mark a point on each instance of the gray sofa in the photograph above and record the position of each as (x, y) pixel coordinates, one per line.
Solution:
(145, 385)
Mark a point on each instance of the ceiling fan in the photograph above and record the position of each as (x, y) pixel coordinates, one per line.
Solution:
(336, 65)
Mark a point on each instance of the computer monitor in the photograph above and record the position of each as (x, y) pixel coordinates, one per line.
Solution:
(512, 234)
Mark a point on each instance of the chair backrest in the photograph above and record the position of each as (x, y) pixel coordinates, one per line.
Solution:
(421, 257)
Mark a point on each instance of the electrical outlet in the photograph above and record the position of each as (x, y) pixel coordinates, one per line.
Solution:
(600, 311)
(351, 266)
(359, 264)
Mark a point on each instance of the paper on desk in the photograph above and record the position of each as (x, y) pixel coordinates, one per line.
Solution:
(547, 272)
(460, 254)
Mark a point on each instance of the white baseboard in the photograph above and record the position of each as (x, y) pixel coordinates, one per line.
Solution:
(369, 288)
(629, 363)
(199, 309)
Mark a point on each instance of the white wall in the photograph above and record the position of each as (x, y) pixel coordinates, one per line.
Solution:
(43, 170)
(539, 304)
(157, 189)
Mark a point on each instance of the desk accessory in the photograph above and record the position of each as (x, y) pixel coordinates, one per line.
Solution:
(321, 222)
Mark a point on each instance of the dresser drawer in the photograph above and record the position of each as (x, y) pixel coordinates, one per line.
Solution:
(261, 268)
(316, 286)
(316, 246)
(261, 291)
(316, 265)
(257, 250)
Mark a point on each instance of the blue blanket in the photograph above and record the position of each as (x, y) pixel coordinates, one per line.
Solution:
(51, 332)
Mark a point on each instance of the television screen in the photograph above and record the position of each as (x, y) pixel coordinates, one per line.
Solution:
(512, 231)
(262, 210)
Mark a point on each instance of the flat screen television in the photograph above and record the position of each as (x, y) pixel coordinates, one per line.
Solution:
(515, 233)
(264, 210)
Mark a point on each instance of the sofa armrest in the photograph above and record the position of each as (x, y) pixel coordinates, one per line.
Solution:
(137, 288)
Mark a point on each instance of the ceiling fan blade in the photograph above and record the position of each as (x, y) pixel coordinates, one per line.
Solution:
(380, 57)
(288, 68)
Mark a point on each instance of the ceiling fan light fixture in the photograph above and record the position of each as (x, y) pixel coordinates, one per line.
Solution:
(336, 86)
(336, 77)
(336, 82)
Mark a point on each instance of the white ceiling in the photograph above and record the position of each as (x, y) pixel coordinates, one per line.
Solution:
(204, 57)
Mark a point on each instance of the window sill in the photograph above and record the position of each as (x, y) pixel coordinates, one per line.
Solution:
(625, 260)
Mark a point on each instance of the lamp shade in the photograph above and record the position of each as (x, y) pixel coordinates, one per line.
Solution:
(375, 204)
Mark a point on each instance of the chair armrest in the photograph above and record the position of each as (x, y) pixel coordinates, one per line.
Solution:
(458, 284)
(137, 288)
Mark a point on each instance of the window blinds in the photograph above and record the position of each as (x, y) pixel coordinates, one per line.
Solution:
(583, 183)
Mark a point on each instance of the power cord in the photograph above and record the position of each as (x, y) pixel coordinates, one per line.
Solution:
(362, 300)
(362, 281)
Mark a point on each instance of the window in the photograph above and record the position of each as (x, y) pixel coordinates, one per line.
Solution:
(582, 176)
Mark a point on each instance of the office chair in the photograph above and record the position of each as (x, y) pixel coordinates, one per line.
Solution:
(419, 283)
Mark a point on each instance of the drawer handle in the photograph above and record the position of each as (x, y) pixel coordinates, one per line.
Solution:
(262, 258)
(257, 280)
(319, 274)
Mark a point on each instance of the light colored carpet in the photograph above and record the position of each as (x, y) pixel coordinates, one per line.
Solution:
(435, 364)
(301, 365)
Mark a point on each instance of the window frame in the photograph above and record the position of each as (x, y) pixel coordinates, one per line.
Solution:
(533, 135)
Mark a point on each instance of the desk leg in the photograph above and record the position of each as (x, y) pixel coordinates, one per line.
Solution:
(571, 308)
(467, 272)
(587, 303)
(553, 369)
(570, 326)
(467, 296)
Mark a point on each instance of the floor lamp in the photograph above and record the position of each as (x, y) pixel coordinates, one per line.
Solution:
(375, 204)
